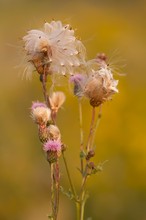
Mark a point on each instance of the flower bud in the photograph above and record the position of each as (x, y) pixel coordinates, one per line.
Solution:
(91, 165)
(90, 154)
(54, 132)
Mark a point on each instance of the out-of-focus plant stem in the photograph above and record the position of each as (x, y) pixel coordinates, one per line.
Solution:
(81, 134)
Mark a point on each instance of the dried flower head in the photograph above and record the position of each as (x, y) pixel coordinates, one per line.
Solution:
(100, 86)
(54, 49)
(53, 149)
(54, 132)
(56, 100)
(41, 114)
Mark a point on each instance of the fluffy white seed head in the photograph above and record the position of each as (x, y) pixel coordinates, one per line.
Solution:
(56, 47)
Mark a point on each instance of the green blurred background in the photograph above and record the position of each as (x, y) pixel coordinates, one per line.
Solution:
(117, 193)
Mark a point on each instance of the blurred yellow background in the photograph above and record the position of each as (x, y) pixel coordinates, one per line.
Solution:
(117, 193)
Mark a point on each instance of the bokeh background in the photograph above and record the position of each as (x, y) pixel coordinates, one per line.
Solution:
(117, 28)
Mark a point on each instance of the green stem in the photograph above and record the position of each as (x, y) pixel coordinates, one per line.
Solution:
(83, 183)
(78, 210)
(80, 206)
(69, 178)
(82, 209)
(82, 197)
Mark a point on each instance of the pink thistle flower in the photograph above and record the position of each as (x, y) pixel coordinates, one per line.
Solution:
(52, 146)
(76, 78)
(53, 149)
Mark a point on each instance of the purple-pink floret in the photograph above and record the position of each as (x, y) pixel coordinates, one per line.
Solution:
(52, 146)
(76, 78)
(37, 104)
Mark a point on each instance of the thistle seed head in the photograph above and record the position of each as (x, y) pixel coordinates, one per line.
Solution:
(100, 86)
(41, 114)
(54, 48)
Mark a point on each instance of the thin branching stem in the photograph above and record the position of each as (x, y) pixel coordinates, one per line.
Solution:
(83, 181)
(69, 177)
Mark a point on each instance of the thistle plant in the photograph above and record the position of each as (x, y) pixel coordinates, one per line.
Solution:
(53, 52)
